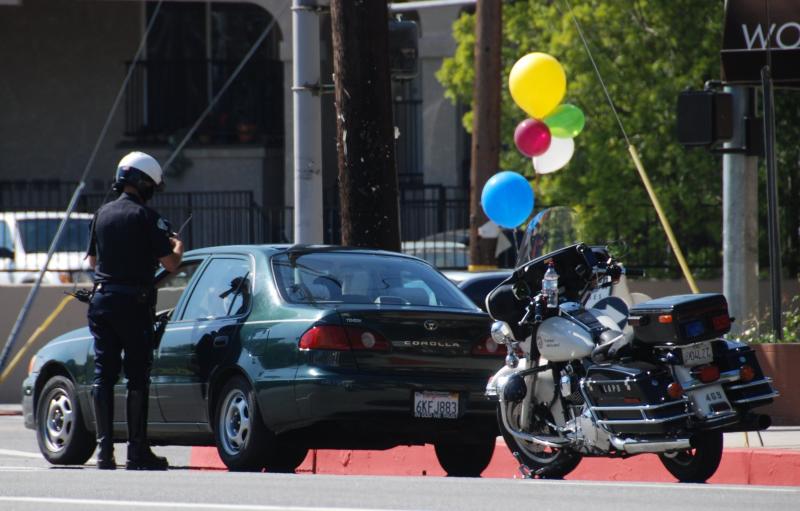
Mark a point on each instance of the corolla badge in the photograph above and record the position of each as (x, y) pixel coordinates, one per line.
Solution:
(431, 325)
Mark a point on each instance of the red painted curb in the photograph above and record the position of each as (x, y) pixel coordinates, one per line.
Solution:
(770, 467)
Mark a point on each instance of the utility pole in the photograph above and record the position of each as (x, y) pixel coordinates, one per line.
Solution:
(368, 188)
(486, 125)
(307, 122)
(740, 217)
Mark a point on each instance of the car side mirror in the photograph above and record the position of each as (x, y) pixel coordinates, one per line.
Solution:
(6, 253)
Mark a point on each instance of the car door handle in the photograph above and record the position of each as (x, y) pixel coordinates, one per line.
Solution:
(220, 341)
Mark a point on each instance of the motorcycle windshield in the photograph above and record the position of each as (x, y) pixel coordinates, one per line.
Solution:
(550, 230)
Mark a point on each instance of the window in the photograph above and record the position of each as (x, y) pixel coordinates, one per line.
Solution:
(346, 277)
(172, 285)
(6, 241)
(192, 50)
(223, 290)
(38, 233)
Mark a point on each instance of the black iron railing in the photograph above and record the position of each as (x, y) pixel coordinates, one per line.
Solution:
(434, 222)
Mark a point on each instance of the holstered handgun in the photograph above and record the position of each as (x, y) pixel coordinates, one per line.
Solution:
(82, 295)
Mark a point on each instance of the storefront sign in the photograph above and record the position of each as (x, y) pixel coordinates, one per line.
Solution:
(758, 32)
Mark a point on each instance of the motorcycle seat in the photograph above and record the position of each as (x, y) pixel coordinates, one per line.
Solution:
(613, 345)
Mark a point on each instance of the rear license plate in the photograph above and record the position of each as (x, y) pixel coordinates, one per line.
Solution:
(697, 354)
(710, 401)
(436, 405)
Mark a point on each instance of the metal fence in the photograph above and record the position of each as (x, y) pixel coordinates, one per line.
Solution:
(434, 222)
(227, 217)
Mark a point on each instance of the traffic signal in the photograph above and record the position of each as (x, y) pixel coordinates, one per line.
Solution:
(705, 118)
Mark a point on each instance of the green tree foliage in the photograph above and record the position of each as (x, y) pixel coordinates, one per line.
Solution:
(647, 52)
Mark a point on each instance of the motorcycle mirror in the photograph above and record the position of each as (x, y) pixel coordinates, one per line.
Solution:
(521, 290)
(501, 333)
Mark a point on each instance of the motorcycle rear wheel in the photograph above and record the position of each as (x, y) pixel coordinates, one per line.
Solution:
(698, 464)
(543, 462)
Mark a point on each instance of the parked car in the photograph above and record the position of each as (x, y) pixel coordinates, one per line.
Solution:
(25, 239)
(440, 253)
(476, 285)
(273, 350)
(450, 249)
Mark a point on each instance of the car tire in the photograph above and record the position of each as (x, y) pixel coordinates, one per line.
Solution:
(243, 441)
(461, 459)
(60, 429)
(286, 457)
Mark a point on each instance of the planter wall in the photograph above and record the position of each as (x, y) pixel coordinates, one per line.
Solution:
(781, 362)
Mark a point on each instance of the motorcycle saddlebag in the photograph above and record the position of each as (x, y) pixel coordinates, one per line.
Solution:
(680, 319)
(632, 398)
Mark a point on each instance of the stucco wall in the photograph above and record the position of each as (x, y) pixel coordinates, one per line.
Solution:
(59, 83)
(62, 66)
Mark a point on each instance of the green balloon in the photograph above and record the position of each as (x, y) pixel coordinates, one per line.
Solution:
(566, 121)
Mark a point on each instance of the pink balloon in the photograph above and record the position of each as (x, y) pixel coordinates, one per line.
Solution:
(532, 137)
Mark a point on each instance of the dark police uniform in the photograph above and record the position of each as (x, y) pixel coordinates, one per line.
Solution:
(128, 239)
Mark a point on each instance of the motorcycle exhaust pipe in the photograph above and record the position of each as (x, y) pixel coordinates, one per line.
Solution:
(547, 442)
(638, 446)
(750, 422)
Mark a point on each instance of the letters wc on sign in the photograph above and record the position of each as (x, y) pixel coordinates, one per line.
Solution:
(751, 32)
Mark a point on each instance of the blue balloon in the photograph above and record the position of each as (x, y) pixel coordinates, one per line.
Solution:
(507, 199)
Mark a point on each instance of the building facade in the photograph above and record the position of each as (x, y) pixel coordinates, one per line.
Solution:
(63, 64)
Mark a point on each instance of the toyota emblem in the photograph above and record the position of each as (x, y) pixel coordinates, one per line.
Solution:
(431, 325)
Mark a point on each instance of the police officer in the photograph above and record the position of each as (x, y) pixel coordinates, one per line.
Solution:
(128, 241)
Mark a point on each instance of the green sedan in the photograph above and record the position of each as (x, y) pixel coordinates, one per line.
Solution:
(269, 351)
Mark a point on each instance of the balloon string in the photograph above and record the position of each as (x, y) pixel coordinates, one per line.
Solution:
(597, 71)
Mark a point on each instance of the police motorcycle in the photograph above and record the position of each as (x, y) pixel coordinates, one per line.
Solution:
(594, 370)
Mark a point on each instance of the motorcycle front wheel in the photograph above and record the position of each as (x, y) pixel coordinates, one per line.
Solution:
(698, 464)
(543, 462)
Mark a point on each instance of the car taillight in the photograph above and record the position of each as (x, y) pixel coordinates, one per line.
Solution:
(361, 339)
(335, 337)
(489, 348)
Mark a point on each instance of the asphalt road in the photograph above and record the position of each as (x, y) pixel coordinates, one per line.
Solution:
(27, 482)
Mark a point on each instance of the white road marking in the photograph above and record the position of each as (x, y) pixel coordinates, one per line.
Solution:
(675, 486)
(174, 505)
(20, 454)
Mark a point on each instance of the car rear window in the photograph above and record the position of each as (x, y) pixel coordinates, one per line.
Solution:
(355, 278)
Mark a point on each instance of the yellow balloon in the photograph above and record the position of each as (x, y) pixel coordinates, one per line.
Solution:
(537, 83)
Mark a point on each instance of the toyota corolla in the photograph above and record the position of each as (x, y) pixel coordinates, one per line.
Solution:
(269, 351)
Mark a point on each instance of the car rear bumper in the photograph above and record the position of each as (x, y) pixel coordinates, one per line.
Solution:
(383, 404)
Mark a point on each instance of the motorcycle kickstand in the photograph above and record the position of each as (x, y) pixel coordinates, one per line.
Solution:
(523, 468)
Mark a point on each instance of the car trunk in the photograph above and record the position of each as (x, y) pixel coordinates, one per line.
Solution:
(420, 341)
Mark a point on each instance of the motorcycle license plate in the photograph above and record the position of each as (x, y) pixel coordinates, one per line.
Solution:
(697, 354)
(436, 405)
(710, 401)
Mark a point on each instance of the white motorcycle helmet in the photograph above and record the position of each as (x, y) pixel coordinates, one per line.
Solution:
(141, 171)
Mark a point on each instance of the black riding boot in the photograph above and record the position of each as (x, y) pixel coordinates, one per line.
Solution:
(140, 457)
(103, 398)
